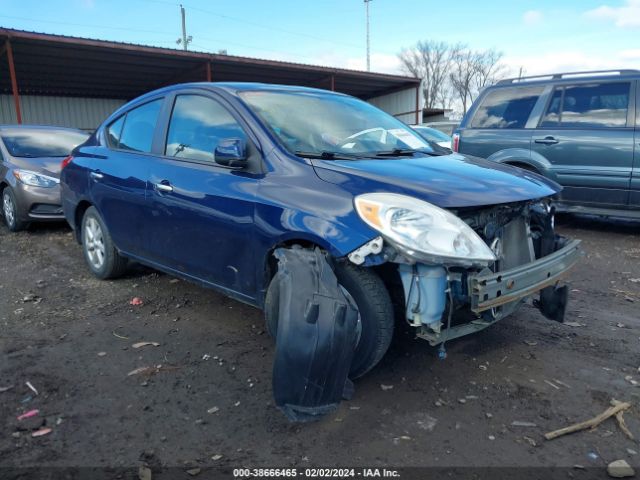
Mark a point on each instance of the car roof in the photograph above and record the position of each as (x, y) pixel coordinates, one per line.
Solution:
(232, 88)
(569, 77)
(237, 87)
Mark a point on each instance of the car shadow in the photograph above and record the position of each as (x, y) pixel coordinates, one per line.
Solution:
(594, 222)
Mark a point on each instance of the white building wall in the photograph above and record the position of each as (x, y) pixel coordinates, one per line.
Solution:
(74, 112)
(401, 104)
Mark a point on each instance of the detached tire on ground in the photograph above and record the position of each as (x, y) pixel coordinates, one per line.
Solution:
(374, 306)
(100, 253)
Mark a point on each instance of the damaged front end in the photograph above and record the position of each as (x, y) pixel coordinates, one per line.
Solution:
(447, 296)
(460, 272)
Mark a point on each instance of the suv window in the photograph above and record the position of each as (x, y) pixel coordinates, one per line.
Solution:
(197, 125)
(506, 108)
(139, 127)
(602, 105)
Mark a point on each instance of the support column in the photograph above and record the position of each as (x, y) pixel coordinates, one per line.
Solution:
(208, 71)
(14, 81)
(418, 109)
(333, 83)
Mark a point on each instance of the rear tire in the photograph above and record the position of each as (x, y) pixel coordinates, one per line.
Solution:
(375, 308)
(100, 253)
(10, 211)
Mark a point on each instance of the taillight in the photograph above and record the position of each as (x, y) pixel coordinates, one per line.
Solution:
(455, 143)
(66, 162)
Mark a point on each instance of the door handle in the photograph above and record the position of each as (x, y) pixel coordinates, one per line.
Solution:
(96, 175)
(164, 187)
(547, 141)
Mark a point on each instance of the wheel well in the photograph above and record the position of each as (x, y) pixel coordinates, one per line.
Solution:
(524, 166)
(77, 218)
(271, 266)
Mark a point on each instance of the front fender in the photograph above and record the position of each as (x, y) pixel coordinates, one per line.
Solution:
(526, 157)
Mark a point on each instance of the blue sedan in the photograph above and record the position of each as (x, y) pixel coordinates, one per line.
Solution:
(209, 181)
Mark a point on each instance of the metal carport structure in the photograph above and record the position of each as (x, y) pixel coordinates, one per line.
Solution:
(42, 72)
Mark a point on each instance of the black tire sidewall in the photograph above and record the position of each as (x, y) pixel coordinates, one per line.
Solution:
(370, 319)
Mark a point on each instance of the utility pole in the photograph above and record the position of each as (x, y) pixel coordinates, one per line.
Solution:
(366, 3)
(185, 40)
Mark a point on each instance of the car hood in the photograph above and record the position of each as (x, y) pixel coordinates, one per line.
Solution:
(448, 181)
(45, 165)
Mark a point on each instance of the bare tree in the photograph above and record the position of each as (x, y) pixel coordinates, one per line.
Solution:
(451, 72)
(431, 61)
(462, 76)
(488, 69)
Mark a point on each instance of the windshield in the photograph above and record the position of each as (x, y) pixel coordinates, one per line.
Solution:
(432, 134)
(42, 143)
(328, 125)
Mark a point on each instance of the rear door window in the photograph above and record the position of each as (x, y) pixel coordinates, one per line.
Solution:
(589, 106)
(113, 132)
(197, 125)
(139, 127)
(506, 108)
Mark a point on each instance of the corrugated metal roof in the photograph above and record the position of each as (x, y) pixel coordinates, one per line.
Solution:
(77, 66)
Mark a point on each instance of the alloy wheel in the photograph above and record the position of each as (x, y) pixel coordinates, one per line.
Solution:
(94, 243)
(9, 208)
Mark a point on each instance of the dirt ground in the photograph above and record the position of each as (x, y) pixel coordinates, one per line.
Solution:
(71, 337)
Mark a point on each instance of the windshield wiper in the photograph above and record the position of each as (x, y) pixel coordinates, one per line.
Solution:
(397, 152)
(326, 155)
(404, 152)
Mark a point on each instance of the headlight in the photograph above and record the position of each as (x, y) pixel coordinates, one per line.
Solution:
(35, 179)
(421, 230)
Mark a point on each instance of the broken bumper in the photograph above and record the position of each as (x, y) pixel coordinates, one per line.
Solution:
(495, 289)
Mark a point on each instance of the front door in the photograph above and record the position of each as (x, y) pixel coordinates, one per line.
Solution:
(586, 134)
(201, 213)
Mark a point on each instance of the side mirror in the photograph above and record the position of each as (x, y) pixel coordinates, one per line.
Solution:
(231, 152)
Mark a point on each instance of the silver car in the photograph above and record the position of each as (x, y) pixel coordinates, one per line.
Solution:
(30, 158)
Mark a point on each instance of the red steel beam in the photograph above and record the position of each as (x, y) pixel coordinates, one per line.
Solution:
(14, 81)
(208, 71)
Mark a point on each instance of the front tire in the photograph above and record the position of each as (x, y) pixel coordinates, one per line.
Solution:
(374, 307)
(100, 253)
(10, 211)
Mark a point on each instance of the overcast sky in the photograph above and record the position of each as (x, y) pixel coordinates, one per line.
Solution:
(542, 36)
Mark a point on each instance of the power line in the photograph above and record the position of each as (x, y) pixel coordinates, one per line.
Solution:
(105, 27)
(260, 25)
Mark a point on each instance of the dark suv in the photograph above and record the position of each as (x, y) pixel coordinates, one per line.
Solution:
(579, 129)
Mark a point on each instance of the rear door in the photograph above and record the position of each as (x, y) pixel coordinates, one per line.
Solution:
(201, 220)
(586, 135)
(634, 197)
(499, 123)
(118, 178)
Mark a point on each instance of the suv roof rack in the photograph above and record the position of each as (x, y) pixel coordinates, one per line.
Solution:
(560, 76)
